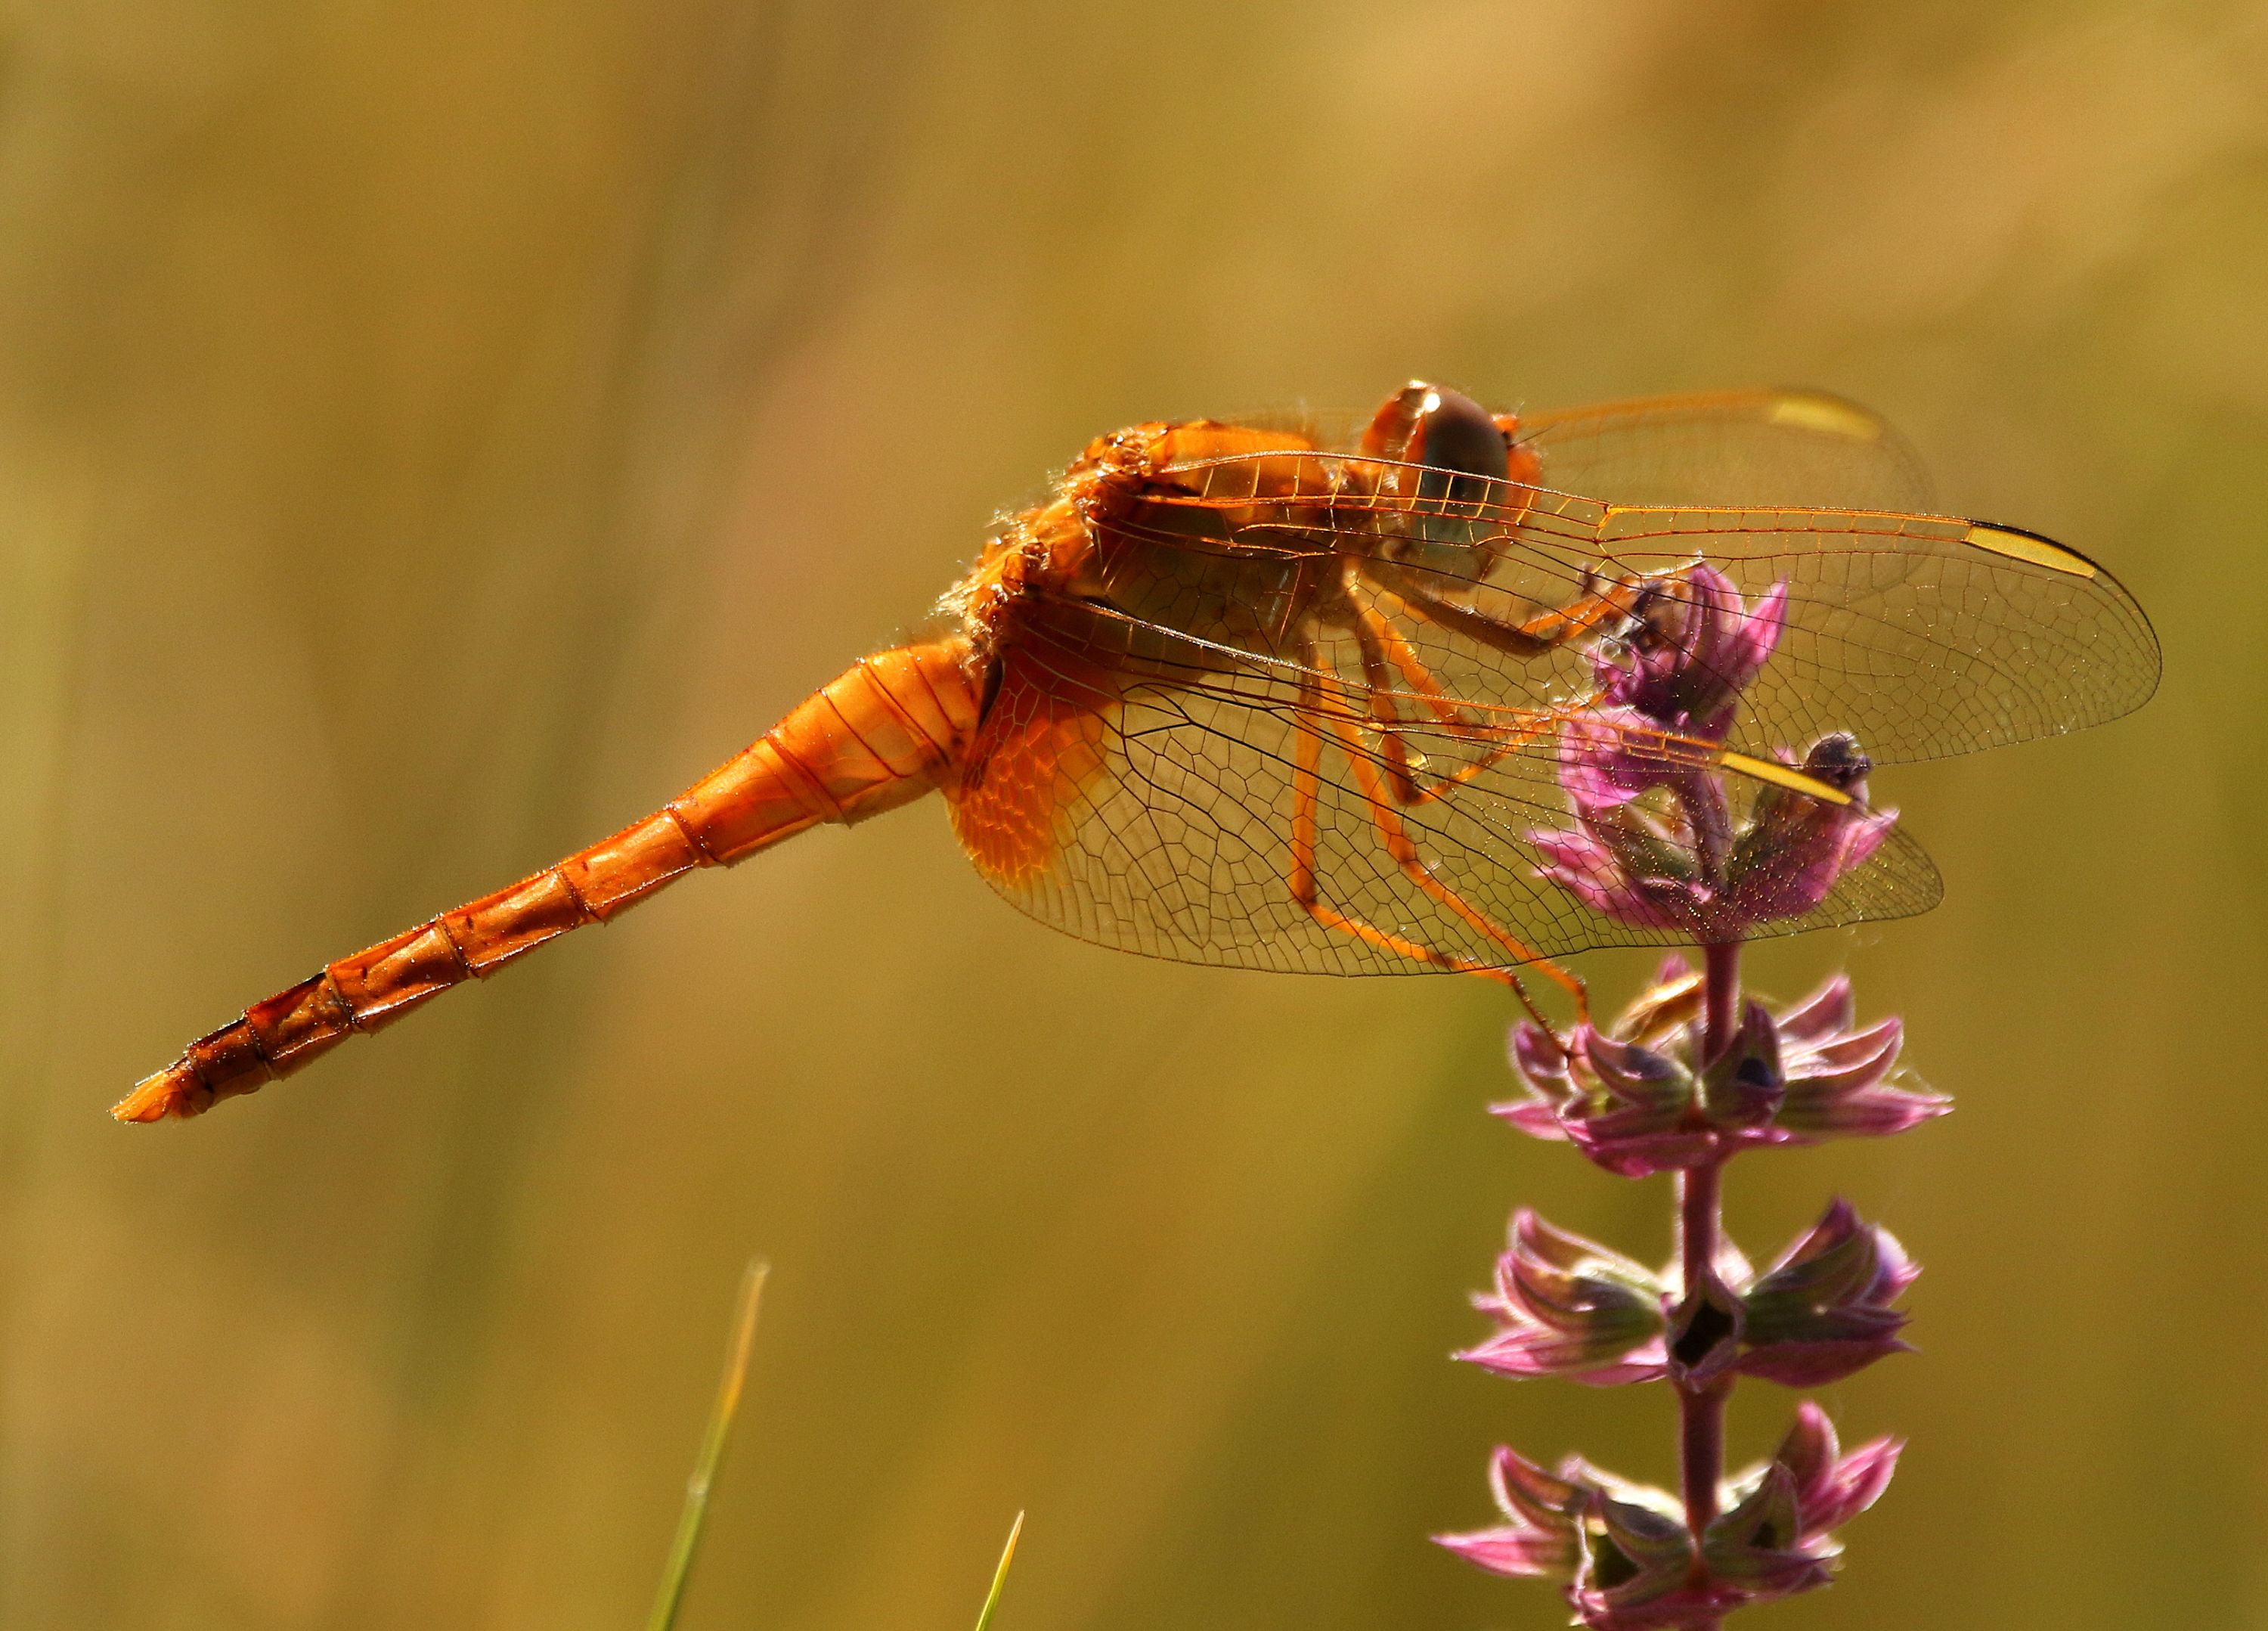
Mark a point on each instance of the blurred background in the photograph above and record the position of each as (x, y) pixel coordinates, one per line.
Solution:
(431, 434)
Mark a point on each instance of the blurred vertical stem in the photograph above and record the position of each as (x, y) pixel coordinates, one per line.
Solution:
(1720, 996)
(690, 1522)
(1000, 1574)
(1700, 1405)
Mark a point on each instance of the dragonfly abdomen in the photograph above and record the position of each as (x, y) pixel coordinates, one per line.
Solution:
(890, 728)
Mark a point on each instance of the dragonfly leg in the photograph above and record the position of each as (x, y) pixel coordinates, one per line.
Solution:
(1403, 852)
(1383, 647)
(1383, 644)
(1384, 656)
(1385, 716)
(1306, 784)
(1546, 631)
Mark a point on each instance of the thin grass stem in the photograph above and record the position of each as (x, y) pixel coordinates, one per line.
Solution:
(1000, 1575)
(694, 1516)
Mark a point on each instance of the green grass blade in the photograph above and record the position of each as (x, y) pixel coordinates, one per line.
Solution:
(1000, 1575)
(712, 1452)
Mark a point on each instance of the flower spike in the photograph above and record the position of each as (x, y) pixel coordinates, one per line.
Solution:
(1690, 1075)
(1569, 1307)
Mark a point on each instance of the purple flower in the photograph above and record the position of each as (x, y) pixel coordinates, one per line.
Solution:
(1621, 1551)
(1647, 869)
(1623, 862)
(1832, 1488)
(1694, 647)
(1838, 1078)
(1776, 1536)
(1822, 1312)
(1640, 1103)
(1569, 1307)
(1537, 1539)
(1633, 1109)
(1668, 689)
(1638, 1569)
(1794, 847)
(1624, 1557)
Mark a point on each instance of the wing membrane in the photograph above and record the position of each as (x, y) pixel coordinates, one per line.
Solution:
(1185, 848)
(1926, 636)
(1755, 446)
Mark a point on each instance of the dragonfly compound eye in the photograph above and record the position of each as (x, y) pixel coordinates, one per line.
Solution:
(1433, 425)
(1460, 455)
(1454, 434)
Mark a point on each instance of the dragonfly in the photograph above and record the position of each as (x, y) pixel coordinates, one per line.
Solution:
(1285, 694)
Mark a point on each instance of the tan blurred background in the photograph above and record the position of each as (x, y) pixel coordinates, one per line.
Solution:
(431, 434)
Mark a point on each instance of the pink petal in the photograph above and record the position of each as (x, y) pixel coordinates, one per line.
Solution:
(1533, 1116)
(1517, 1553)
(1849, 1062)
(1872, 1112)
(1538, 1351)
(1752, 646)
(1856, 1483)
(1821, 1015)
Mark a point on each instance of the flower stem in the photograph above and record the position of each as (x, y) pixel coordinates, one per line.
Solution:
(1701, 1408)
(1720, 997)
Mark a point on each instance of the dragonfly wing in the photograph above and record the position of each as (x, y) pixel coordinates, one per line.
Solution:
(1925, 635)
(1241, 814)
(1755, 446)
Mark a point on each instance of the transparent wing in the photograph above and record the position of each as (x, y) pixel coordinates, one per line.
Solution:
(1924, 635)
(1150, 792)
(1731, 447)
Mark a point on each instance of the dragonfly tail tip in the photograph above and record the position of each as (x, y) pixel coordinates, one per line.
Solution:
(172, 1091)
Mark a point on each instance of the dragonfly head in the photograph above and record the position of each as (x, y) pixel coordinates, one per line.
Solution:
(1443, 430)
(1448, 460)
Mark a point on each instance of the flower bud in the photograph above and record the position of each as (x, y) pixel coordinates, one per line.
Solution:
(1744, 1086)
(1776, 1536)
(1692, 646)
(1758, 1543)
(1704, 1334)
(1636, 1564)
(1822, 1312)
(1569, 1307)
(1624, 1557)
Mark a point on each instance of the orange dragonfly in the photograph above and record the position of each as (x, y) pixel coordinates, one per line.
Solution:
(1263, 695)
